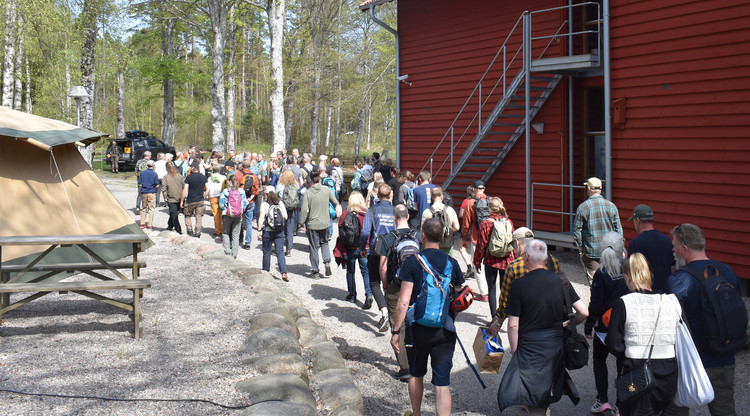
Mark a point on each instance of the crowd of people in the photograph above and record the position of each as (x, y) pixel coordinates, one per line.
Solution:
(402, 232)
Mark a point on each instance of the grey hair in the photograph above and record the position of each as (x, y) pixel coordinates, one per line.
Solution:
(536, 250)
(612, 255)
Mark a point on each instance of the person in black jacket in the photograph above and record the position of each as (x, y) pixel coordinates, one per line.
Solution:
(608, 285)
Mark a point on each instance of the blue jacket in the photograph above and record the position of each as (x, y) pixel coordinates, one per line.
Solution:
(689, 291)
(148, 180)
(378, 220)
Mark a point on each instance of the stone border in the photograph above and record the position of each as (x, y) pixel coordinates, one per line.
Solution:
(295, 361)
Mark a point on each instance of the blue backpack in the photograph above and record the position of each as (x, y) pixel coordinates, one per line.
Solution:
(431, 306)
(331, 184)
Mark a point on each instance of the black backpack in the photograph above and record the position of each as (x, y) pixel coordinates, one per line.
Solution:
(724, 317)
(446, 242)
(481, 211)
(274, 218)
(350, 230)
(404, 245)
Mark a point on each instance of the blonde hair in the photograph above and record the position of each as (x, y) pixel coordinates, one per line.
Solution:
(495, 205)
(357, 202)
(637, 268)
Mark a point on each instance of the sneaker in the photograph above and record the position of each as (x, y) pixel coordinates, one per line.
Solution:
(328, 270)
(289, 253)
(600, 407)
(142, 226)
(350, 298)
(246, 246)
(368, 303)
(402, 375)
(481, 298)
(383, 323)
(315, 275)
(284, 277)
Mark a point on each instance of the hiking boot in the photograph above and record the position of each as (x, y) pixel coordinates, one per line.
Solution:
(328, 270)
(383, 323)
(368, 302)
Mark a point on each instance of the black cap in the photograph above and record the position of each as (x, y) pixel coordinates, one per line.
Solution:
(478, 184)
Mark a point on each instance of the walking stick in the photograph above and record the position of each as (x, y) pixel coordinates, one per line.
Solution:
(468, 361)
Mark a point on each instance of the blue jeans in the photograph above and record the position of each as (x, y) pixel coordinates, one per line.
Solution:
(248, 218)
(275, 238)
(351, 263)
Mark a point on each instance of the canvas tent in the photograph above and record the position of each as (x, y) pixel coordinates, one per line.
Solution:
(48, 189)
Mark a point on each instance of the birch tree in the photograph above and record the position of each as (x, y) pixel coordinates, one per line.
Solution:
(88, 67)
(168, 127)
(10, 54)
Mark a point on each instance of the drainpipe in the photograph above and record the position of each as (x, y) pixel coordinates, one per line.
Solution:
(607, 103)
(527, 105)
(570, 117)
(398, 86)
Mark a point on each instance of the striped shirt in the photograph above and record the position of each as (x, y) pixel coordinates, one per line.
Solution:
(595, 217)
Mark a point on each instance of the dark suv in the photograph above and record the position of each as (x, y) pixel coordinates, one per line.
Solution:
(134, 144)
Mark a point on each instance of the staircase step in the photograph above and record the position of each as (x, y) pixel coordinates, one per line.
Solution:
(520, 107)
(541, 78)
(474, 165)
(502, 125)
(472, 157)
(512, 115)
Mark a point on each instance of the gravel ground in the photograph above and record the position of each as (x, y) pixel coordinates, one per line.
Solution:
(72, 345)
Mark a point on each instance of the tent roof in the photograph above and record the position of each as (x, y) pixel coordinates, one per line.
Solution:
(20, 125)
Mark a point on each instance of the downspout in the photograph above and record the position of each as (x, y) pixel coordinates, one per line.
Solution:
(571, 219)
(398, 86)
(607, 104)
(527, 121)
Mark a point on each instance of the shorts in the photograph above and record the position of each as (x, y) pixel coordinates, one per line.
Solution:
(436, 343)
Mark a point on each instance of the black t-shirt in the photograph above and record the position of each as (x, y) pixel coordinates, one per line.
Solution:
(537, 299)
(657, 248)
(196, 185)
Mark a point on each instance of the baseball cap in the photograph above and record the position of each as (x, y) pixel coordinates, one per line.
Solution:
(270, 188)
(478, 184)
(642, 212)
(323, 158)
(522, 232)
(150, 163)
(594, 183)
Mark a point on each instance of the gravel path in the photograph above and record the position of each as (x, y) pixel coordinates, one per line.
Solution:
(195, 320)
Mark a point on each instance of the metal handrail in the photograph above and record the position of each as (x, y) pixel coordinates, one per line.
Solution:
(570, 213)
(503, 78)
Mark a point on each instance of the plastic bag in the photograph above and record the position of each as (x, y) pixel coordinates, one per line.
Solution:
(693, 386)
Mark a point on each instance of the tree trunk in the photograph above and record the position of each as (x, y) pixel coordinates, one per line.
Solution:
(88, 66)
(28, 87)
(328, 129)
(218, 14)
(8, 70)
(120, 129)
(18, 66)
(360, 125)
(289, 115)
(168, 50)
(67, 80)
(315, 113)
(231, 84)
(276, 10)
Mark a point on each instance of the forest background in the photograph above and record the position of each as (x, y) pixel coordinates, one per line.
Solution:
(318, 75)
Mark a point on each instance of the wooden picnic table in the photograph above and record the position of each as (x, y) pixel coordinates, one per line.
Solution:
(45, 283)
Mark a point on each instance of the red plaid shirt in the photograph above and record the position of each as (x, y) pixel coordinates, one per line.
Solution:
(480, 252)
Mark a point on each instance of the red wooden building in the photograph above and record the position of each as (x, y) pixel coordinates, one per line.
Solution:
(672, 77)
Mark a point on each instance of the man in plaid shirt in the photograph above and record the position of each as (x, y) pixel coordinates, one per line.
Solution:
(516, 270)
(594, 217)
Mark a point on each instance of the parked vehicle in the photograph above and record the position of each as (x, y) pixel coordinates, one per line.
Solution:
(134, 144)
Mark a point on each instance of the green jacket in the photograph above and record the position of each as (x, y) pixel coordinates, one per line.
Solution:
(315, 212)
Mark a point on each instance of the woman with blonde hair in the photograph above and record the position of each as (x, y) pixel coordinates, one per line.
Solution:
(358, 208)
(643, 326)
(287, 183)
(372, 193)
(494, 266)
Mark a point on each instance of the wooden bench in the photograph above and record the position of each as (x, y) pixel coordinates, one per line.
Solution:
(52, 269)
(83, 288)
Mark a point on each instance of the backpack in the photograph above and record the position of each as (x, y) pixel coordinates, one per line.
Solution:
(481, 211)
(447, 241)
(724, 318)
(404, 246)
(331, 184)
(356, 181)
(290, 198)
(250, 183)
(501, 239)
(431, 305)
(409, 201)
(350, 230)
(234, 203)
(274, 218)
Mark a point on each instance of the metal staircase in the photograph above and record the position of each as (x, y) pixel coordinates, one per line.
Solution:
(492, 138)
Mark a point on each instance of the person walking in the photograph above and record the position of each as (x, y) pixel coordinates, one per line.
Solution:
(655, 246)
(494, 267)
(358, 209)
(114, 156)
(215, 184)
(423, 342)
(594, 217)
(148, 182)
(140, 166)
(608, 286)
(233, 203)
(271, 220)
(475, 211)
(643, 326)
(286, 189)
(316, 217)
(172, 185)
(192, 200)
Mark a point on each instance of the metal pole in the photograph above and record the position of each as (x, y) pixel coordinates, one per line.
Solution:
(78, 107)
(570, 119)
(527, 121)
(480, 107)
(452, 150)
(607, 104)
